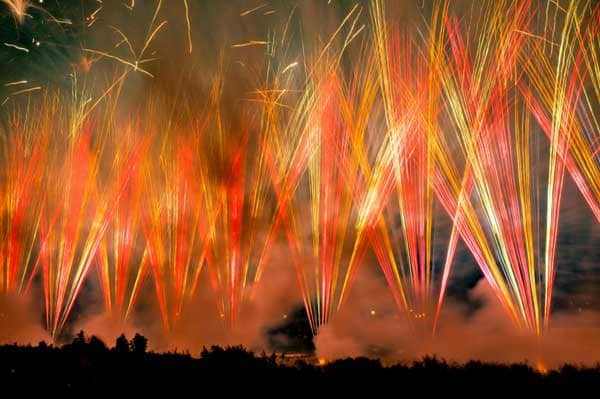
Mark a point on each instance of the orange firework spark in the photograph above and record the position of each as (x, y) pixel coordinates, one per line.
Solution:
(405, 165)
(499, 157)
(122, 256)
(173, 227)
(24, 145)
(77, 213)
(18, 9)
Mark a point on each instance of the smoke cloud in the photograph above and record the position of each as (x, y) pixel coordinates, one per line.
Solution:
(485, 334)
(20, 321)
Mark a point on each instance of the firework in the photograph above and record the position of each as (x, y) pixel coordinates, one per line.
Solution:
(18, 8)
(339, 146)
(122, 257)
(25, 143)
(501, 165)
(77, 212)
(564, 91)
(172, 225)
(404, 166)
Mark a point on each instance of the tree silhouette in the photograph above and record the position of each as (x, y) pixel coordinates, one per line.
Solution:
(96, 345)
(139, 344)
(85, 366)
(79, 339)
(122, 344)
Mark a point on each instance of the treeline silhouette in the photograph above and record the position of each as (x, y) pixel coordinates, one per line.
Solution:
(88, 367)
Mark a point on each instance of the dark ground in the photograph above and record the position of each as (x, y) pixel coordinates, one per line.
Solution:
(88, 368)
